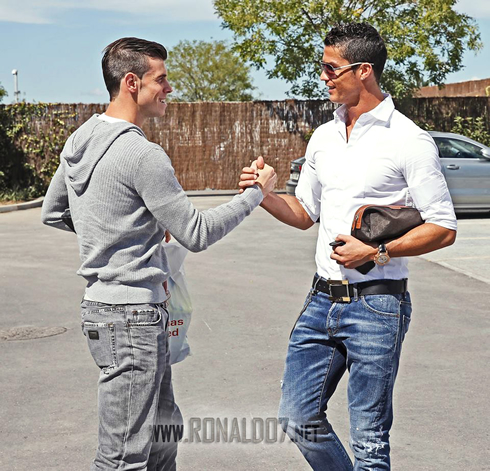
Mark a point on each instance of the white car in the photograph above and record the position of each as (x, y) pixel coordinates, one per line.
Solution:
(465, 164)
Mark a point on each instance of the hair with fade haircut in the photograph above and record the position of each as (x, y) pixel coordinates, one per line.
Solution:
(359, 42)
(128, 55)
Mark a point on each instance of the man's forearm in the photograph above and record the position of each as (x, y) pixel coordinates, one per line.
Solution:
(287, 209)
(423, 239)
(55, 202)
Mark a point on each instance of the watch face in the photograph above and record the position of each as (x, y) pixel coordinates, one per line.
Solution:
(382, 259)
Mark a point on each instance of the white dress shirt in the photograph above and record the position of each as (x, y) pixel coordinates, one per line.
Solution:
(387, 160)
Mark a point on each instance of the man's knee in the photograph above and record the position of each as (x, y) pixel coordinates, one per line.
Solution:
(304, 429)
(371, 447)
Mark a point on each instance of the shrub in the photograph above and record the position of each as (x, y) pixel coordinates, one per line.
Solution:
(474, 128)
(31, 140)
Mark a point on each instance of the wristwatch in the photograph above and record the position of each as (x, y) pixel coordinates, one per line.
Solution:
(382, 257)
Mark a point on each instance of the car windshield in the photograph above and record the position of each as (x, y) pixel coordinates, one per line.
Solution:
(457, 149)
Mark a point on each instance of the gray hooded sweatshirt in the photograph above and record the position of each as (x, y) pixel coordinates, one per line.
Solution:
(123, 195)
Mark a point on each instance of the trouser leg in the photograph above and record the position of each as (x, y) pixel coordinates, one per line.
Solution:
(314, 366)
(169, 427)
(130, 347)
(366, 335)
(374, 346)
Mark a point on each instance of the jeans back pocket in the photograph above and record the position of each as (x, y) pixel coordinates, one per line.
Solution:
(101, 338)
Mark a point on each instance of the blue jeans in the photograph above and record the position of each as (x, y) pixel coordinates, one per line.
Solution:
(129, 343)
(364, 337)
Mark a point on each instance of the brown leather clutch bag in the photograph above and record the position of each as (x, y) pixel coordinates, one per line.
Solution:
(378, 224)
(381, 223)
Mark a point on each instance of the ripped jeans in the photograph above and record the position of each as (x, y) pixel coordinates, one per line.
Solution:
(364, 337)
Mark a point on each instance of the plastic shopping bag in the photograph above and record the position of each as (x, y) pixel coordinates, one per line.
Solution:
(179, 305)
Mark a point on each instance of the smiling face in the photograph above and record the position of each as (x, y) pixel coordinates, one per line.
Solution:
(153, 90)
(344, 85)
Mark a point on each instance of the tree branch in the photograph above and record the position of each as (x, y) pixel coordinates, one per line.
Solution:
(310, 20)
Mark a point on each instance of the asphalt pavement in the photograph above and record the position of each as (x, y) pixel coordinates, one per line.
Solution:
(247, 291)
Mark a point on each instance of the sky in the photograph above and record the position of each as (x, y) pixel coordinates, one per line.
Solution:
(56, 44)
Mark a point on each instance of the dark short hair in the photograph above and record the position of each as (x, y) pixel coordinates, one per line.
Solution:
(128, 55)
(359, 42)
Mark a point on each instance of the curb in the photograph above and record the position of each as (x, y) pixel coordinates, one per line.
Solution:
(192, 193)
(37, 203)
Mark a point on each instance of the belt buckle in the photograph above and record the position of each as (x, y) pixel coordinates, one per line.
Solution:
(342, 299)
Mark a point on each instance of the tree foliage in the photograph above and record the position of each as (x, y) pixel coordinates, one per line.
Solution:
(474, 128)
(425, 39)
(31, 139)
(3, 93)
(208, 71)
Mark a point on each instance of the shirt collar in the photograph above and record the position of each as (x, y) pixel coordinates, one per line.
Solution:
(382, 112)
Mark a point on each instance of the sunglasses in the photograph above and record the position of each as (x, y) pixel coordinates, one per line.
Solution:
(329, 69)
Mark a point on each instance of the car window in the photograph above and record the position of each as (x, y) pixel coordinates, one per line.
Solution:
(457, 149)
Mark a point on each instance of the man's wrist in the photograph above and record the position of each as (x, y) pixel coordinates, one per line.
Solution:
(268, 201)
(261, 187)
(373, 250)
(382, 256)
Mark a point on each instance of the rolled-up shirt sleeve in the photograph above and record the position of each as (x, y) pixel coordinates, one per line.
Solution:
(309, 190)
(426, 183)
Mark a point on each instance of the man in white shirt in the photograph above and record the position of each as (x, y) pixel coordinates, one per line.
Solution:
(368, 154)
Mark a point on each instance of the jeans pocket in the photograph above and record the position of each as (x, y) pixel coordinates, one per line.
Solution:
(306, 304)
(101, 338)
(141, 316)
(406, 313)
(383, 304)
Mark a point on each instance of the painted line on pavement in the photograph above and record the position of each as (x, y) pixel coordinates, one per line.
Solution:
(475, 257)
(467, 222)
(460, 270)
(473, 238)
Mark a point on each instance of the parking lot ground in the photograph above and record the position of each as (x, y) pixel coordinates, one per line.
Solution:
(471, 254)
(247, 291)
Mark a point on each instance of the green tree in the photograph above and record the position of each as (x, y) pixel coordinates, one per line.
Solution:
(208, 71)
(425, 39)
(3, 93)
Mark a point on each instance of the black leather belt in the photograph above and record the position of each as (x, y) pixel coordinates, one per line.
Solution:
(341, 291)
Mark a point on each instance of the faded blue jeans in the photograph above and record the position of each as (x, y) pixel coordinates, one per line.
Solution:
(364, 337)
(129, 344)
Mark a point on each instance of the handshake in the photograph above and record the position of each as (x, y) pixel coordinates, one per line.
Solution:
(259, 173)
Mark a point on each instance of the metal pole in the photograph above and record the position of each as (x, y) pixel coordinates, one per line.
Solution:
(15, 73)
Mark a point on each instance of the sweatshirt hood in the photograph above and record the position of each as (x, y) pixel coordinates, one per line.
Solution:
(86, 146)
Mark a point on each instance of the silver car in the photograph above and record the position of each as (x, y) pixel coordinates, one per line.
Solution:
(465, 164)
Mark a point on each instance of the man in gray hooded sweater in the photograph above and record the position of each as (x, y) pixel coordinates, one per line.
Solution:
(123, 196)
